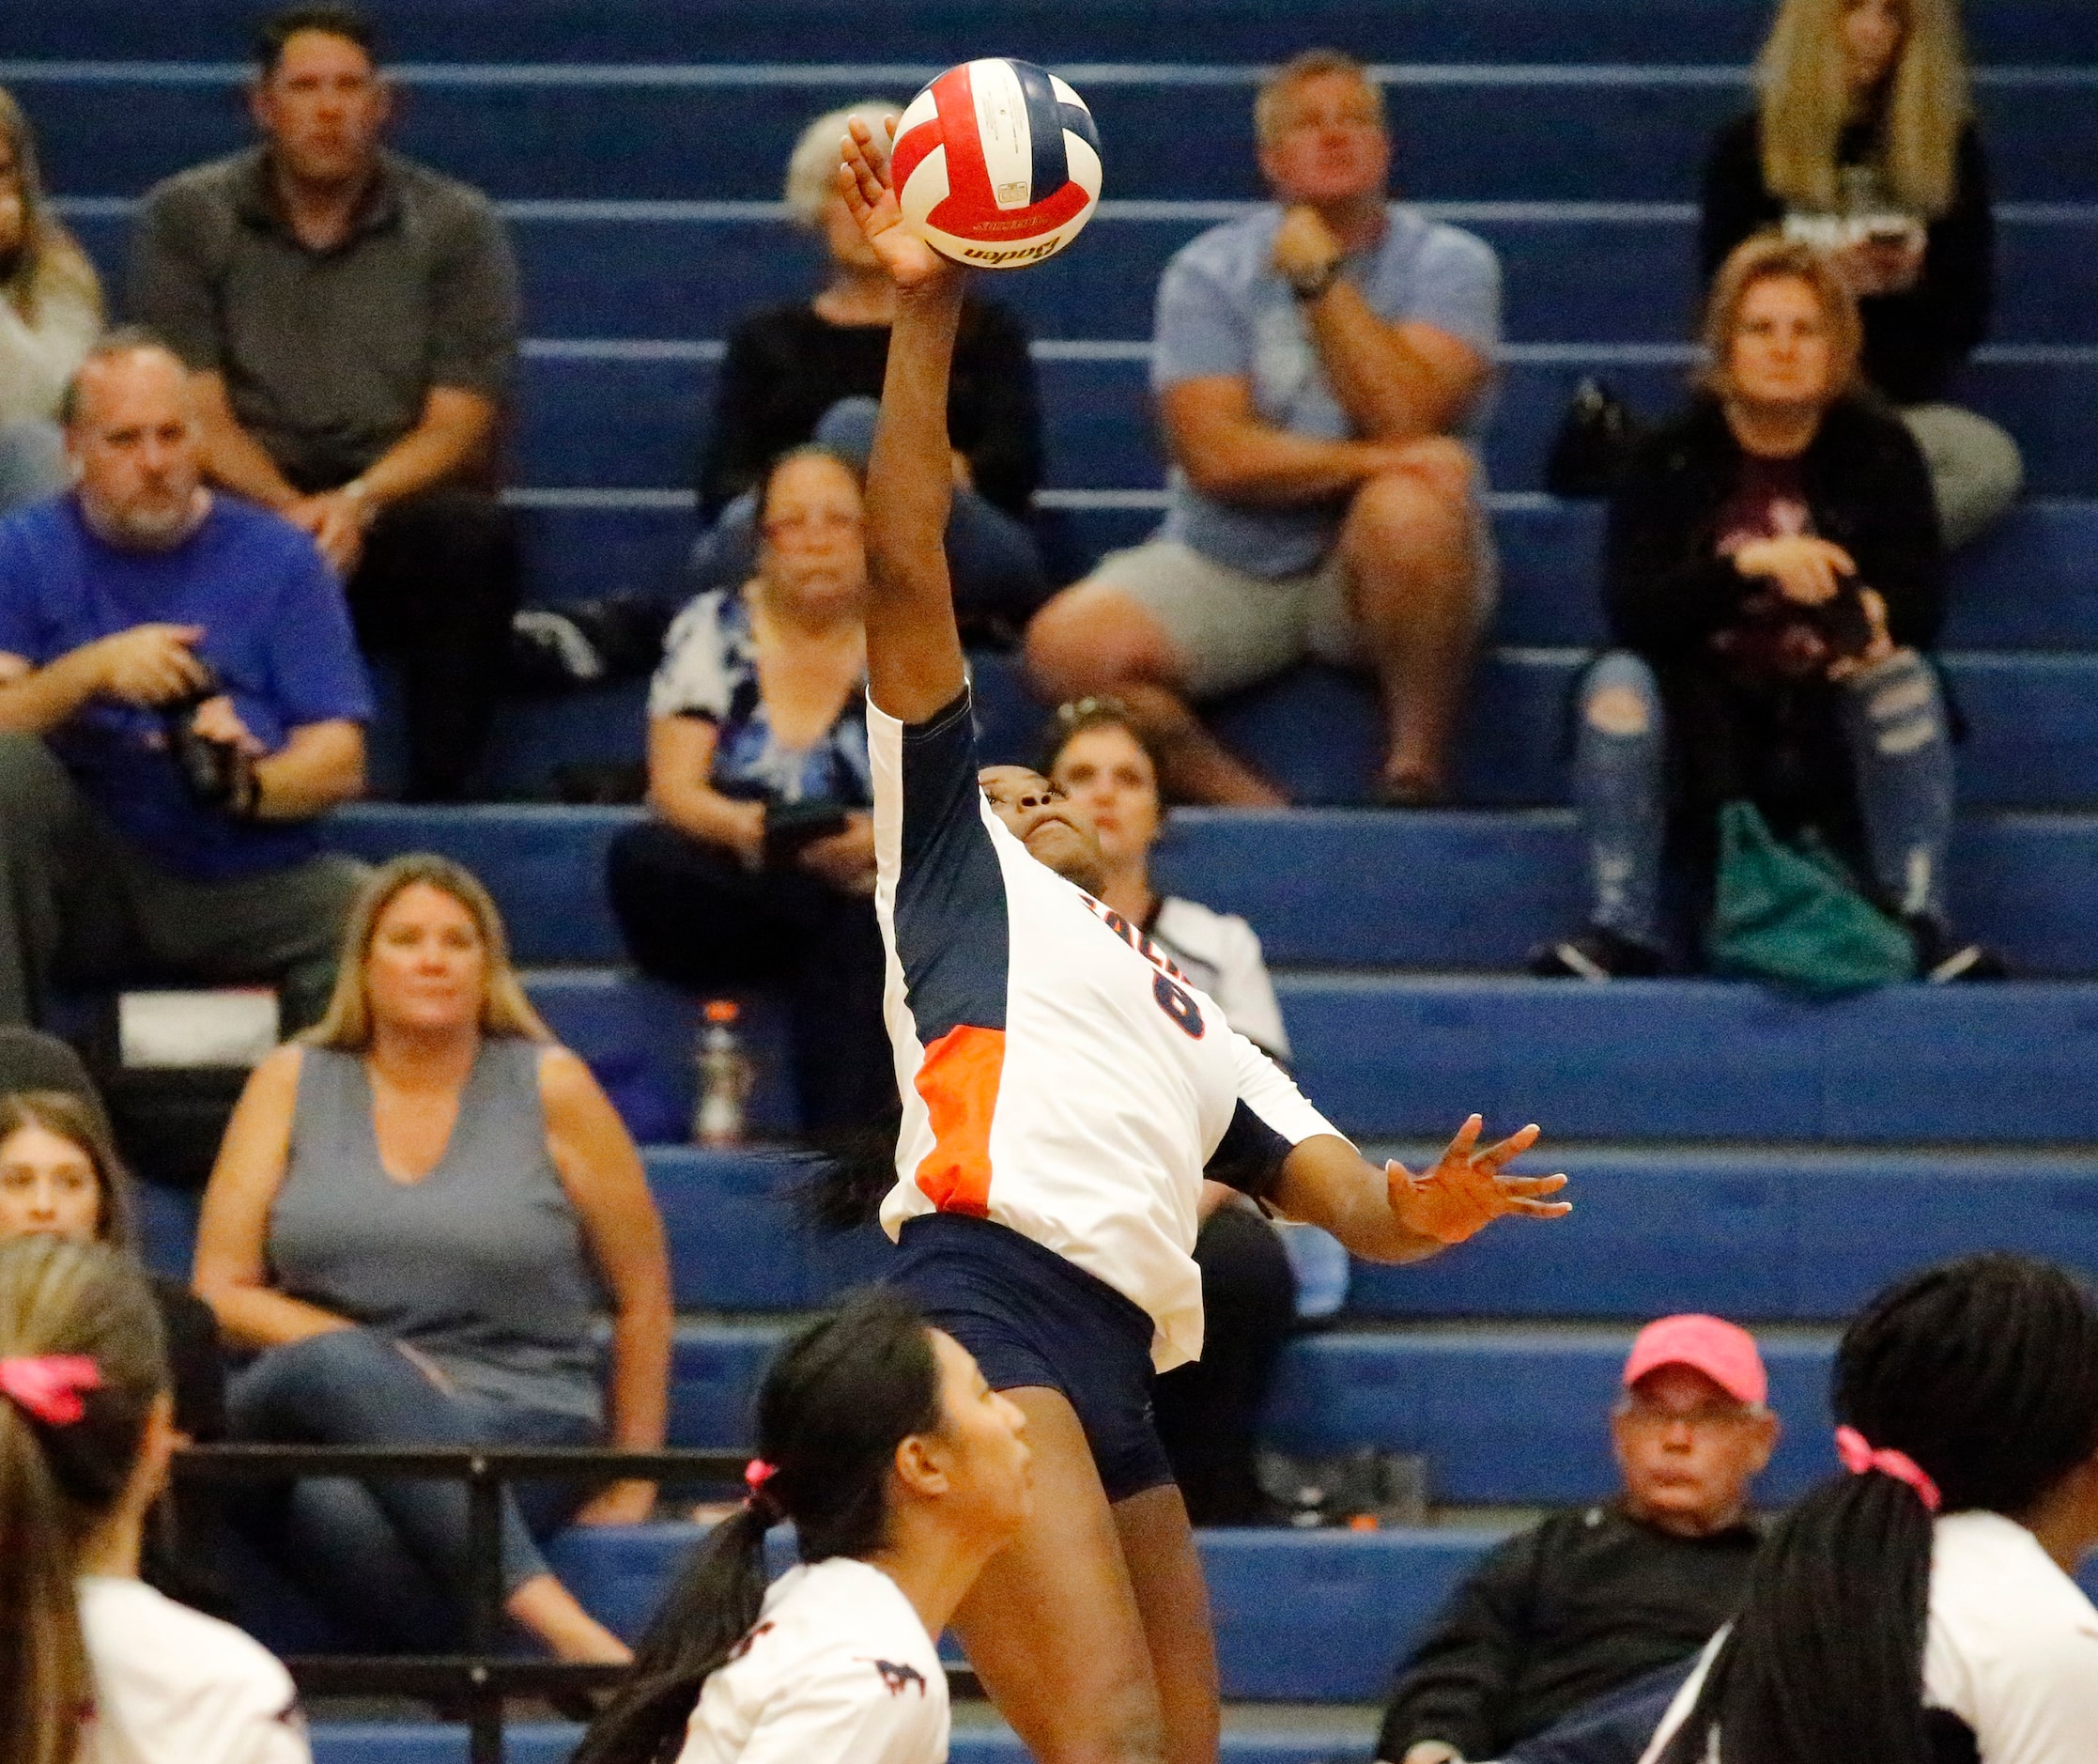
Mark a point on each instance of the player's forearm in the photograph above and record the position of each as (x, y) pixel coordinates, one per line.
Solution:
(910, 471)
(1325, 1181)
(39, 703)
(1390, 392)
(319, 767)
(913, 650)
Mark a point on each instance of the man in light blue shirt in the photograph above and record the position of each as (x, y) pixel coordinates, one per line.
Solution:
(1323, 367)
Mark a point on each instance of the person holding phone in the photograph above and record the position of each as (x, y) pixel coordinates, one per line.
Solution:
(1863, 144)
(1773, 579)
(756, 865)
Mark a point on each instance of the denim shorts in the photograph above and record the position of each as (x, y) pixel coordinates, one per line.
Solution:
(1030, 1317)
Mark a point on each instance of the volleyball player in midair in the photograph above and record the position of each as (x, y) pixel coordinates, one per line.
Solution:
(1065, 1092)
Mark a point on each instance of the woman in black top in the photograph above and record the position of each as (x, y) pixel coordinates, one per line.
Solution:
(1773, 572)
(811, 371)
(1864, 144)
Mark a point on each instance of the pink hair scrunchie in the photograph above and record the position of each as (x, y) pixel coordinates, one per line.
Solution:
(49, 1387)
(1859, 1456)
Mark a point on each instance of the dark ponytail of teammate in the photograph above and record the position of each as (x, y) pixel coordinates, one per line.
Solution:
(69, 1439)
(1984, 1374)
(838, 1401)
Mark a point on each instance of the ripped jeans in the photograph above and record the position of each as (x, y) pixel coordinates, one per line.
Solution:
(1892, 720)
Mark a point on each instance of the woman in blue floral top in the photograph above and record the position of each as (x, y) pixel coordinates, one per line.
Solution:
(757, 867)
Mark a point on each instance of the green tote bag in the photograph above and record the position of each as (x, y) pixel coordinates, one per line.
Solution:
(1792, 917)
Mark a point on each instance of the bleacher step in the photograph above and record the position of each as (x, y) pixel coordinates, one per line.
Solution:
(1445, 888)
(1403, 1056)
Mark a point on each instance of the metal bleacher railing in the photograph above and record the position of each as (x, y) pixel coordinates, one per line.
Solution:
(480, 1676)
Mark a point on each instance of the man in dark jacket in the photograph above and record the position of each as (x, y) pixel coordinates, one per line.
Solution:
(1591, 1601)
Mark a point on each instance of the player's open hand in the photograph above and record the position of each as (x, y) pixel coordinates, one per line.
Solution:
(1466, 1191)
(863, 180)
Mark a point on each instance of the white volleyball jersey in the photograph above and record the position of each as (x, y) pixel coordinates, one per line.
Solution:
(2009, 1663)
(173, 1686)
(1221, 953)
(839, 1670)
(1060, 1074)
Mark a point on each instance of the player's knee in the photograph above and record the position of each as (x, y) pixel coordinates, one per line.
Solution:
(1091, 637)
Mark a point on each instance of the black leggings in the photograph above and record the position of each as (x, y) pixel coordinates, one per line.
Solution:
(1208, 1411)
(693, 916)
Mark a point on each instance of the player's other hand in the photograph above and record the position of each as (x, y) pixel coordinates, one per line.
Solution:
(1466, 1191)
(863, 180)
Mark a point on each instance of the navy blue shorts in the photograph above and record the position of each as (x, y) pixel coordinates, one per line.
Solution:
(1029, 1317)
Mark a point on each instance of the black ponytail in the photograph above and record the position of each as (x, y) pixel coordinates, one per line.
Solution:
(1984, 1372)
(838, 1401)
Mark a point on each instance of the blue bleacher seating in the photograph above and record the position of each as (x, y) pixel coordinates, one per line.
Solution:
(1732, 1150)
(1334, 887)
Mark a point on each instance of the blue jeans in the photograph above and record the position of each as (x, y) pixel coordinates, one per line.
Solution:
(32, 464)
(388, 1560)
(1892, 720)
(999, 577)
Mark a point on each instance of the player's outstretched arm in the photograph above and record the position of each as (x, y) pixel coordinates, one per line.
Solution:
(914, 652)
(1394, 1215)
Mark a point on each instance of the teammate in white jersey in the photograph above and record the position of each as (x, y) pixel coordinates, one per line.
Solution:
(1920, 1610)
(903, 1473)
(96, 1667)
(1065, 1090)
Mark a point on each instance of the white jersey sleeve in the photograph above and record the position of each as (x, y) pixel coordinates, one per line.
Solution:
(173, 1686)
(1221, 953)
(1271, 1119)
(839, 1670)
(846, 1709)
(2012, 1649)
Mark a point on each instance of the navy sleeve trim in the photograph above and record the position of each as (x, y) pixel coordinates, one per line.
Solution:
(1250, 1156)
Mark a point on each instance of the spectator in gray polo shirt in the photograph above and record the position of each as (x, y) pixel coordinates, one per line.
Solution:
(1322, 369)
(352, 318)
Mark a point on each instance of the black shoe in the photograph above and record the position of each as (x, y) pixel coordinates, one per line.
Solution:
(1595, 954)
(1944, 958)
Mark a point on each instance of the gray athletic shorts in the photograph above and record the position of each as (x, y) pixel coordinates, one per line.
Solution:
(1231, 630)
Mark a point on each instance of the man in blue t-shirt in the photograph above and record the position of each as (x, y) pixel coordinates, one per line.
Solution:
(1321, 366)
(180, 695)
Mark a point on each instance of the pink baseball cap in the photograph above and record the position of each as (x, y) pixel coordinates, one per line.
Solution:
(1725, 1353)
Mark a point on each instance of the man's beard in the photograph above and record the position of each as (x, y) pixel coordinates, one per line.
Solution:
(160, 525)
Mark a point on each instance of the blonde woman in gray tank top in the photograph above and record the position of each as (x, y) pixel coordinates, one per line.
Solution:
(418, 1211)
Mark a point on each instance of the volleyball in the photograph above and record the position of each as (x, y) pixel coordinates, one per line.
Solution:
(997, 165)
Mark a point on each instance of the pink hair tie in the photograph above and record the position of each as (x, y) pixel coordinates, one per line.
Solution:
(49, 1387)
(1861, 1456)
(756, 1474)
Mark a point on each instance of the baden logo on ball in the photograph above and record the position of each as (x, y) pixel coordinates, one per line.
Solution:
(997, 164)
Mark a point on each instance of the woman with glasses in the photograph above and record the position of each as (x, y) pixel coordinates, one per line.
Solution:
(756, 865)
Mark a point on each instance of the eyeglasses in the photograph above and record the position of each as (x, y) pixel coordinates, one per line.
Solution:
(821, 520)
(1706, 1414)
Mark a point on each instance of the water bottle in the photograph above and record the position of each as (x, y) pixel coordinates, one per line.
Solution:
(724, 1076)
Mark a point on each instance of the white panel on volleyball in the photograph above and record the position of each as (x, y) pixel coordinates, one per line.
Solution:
(1002, 128)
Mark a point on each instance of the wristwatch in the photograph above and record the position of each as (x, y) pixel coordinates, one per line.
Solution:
(1306, 288)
